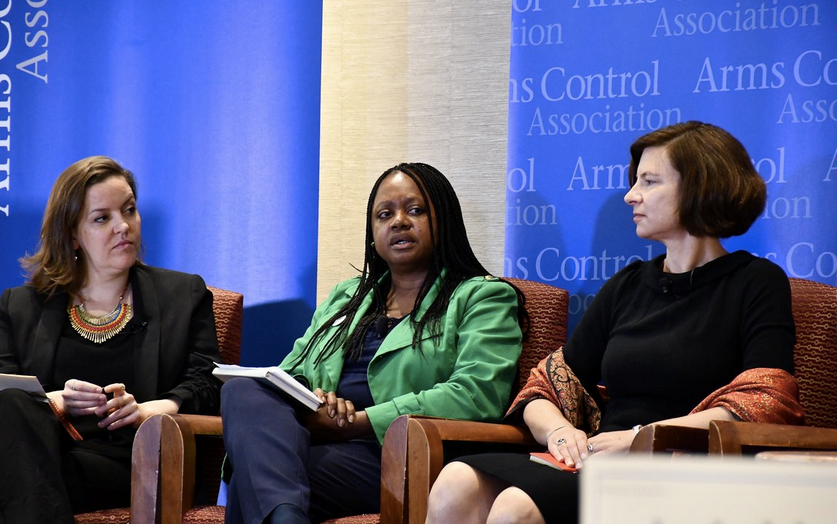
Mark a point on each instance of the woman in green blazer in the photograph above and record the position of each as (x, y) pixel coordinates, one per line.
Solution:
(423, 330)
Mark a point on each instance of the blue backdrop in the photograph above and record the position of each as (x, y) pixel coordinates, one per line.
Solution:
(214, 106)
(216, 110)
(588, 77)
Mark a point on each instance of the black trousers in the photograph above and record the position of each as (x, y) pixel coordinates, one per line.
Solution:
(46, 476)
(274, 462)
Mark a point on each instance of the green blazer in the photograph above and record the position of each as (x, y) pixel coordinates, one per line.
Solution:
(467, 375)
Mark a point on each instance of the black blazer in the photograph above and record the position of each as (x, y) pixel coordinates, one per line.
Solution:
(178, 343)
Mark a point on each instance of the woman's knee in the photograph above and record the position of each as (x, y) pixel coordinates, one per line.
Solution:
(455, 477)
(244, 401)
(514, 506)
(15, 400)
(460, 488)
(239, 394)
(236, 388)
(20, 409)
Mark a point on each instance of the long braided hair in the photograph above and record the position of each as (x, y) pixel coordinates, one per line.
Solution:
(452, 252)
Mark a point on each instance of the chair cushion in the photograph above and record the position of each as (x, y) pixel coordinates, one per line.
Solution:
(356, 519)
(215, 515)
(105, 516)
(205, 515)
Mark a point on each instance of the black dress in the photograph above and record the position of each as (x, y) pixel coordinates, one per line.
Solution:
(661, 343)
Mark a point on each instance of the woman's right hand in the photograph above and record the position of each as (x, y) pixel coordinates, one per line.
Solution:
(568, 445)
(549, 427)
(82, 398)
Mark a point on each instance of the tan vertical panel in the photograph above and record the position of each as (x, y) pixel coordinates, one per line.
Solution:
(411, 80)
(363, 125)
(458, 108)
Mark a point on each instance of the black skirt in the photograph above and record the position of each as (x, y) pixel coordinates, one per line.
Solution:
(555, 492)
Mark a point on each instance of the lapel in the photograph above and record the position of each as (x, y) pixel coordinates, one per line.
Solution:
(147, 345)
(47, 334)
(329, 370)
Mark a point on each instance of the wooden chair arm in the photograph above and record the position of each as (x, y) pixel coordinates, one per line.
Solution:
(419, 441)
(201, 424)
(445, 429)
(177, 461)
(394, 473)
(656, 438)
(145, 472)
(736, 438)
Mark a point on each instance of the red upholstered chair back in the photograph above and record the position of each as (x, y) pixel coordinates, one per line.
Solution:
(548, 308)
(815, 353)
(228, 307)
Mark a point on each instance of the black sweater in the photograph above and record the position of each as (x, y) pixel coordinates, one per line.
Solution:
(662, 342)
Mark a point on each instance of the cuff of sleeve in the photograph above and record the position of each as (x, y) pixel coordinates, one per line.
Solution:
(186, 404)
(381, 416)
(515, 414)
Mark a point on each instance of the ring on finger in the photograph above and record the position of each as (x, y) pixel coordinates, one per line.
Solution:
(590, 448)
(560, 441)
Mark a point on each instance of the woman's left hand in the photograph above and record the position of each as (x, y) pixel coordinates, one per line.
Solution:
(611, 442)
(120, 411)
(336, 420)
(335, 411)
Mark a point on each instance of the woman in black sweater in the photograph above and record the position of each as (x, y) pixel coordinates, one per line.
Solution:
(695, 335)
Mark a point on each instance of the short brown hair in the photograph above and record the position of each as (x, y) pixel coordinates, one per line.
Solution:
(722, 194)
(54, 267)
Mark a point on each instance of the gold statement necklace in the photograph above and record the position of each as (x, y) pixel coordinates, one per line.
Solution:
(99, 329)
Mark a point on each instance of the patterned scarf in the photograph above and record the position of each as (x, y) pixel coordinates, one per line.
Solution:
(756, 395)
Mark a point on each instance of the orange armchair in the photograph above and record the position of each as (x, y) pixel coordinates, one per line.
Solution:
(815, 360)
(228, 308)
(182, 435)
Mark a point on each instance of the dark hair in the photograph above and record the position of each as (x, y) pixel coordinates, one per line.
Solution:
(54, 267)
(452, 253)
(722, 194)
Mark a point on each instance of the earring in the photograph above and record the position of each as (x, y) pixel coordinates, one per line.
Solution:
(372, 244)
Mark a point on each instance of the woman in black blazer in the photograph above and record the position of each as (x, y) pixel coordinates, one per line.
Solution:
(111, 340)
